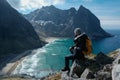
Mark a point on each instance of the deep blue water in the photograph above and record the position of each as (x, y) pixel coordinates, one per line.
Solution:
(50, 58)
(109, 44)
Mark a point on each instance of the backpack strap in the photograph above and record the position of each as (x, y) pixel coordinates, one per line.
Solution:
(80, 41)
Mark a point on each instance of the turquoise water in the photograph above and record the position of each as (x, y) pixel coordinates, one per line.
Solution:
(50, 58)
(45, 60)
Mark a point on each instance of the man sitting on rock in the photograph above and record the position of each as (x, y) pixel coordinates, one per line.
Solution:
(77, 49)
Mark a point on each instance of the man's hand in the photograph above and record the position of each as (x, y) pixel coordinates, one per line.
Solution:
(71, 49)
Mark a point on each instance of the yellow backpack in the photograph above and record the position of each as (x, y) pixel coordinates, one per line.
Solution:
(88, 46)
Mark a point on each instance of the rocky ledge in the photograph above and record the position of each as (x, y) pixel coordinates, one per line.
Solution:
(99, 67)
(95, 67)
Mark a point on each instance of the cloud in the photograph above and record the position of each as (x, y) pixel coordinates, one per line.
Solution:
(110, 21)
(109, 17)
(14, 3)
(29, 5)
(87, 0)
(32, 4)
(58, 2)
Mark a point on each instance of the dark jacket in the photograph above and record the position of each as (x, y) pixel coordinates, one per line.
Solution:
(80, 41)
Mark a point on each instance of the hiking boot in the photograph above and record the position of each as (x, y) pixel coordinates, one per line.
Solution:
(65, 69)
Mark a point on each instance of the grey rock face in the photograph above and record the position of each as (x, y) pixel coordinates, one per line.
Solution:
(103, 59)
(116, 68)
(56, 22)
(77, 69)
(92, 69)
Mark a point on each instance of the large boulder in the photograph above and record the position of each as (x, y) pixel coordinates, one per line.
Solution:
(87, 74)
(77, 68)
(103, 59)
(99, 68)
(105, 73)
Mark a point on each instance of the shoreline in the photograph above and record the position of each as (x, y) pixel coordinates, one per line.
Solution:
(52, 39)
(13, 63)
(57, 75)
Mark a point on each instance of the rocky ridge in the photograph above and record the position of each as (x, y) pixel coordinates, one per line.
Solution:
(51, 21)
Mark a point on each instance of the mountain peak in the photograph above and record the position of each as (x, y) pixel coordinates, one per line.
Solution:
(82, 8)
(63, 21)
(72, 9)
(50, 7)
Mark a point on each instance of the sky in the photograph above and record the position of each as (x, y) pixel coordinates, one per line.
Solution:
(108, 11)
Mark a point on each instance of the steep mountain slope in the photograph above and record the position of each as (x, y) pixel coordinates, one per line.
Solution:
(16, 33)
(56, 22)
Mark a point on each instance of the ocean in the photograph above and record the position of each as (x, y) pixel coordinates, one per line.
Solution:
(50, 58)
(109, 44)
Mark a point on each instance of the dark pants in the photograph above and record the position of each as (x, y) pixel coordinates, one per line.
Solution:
(77, 55)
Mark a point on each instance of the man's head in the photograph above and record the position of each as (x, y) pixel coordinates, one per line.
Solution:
(77, 31)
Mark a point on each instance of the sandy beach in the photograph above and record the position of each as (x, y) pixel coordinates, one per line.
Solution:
(51, 39)
(11, 66)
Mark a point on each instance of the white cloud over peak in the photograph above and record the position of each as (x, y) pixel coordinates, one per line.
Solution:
(32, 4)
(58, 2)
(29, 5)
(14, 3)
(87, 0)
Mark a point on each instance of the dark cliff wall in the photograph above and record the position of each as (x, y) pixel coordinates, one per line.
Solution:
(16, 33)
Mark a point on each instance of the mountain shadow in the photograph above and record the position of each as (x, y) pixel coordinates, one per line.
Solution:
(16, 33)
